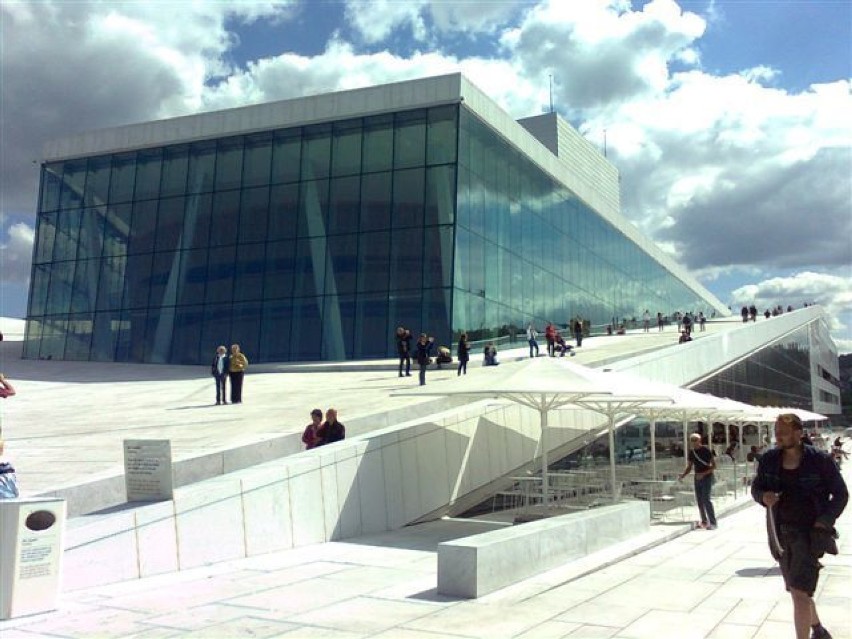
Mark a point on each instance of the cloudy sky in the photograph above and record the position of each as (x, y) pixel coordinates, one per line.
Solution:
(729, 119)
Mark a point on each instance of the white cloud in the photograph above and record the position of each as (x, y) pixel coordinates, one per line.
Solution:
(17, 252)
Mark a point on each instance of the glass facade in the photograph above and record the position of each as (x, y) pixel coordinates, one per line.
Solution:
(315, 242)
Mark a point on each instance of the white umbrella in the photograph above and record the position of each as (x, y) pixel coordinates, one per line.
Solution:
(545, 384)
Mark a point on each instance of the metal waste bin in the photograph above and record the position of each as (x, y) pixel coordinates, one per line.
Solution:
(31, 531)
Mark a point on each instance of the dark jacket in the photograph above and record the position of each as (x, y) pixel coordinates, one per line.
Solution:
(464, 351)
(423, 352)
(819, 478)
(226, 364)
(403, 344)
(330, 433)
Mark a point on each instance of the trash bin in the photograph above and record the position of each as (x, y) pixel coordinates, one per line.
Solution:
(31, 531)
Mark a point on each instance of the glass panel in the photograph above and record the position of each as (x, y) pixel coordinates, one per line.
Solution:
(287, 156)
(373, 261)
(408, 198)
(476, 265)
(410, 139)
(193, 271)
(283, 209)
(51, 184)
(187, 335)
(280, 267)
(254, 209)
(313, 204)
(405, 308)
(346, 148)
(441, 135)
(164, 271)
(175, 170)
(248, 282)
(377, 149)
(67, 234)
(438, 259)
(440, 186)
(257, 159)
(343, 205)
(122, 178)
(144, 227)
(316, 151)
(53, 338)
(436, 315)
(38, 294)
(309, 266)
(220, 274)
(97, 181)
(229, 164)
(338, 321)
(305, 339)
(104, 336)
(224, 219)
(170, 223)
(216, 328)
(91, 233)
(79, 337)
(148, 166)
(275, 331)
(342, 261)
(406, 266)
(73, 182)
(371, 327)
(246, 327)
(45, 236)
(117, 229)
(197, 220)
(137, 280)
(202, 167)
(375, 201)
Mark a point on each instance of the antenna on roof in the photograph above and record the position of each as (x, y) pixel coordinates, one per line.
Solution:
(550, 82)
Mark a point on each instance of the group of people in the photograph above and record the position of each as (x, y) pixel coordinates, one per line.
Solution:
(749, 313)
(421, 352)
(319, 432)
(803, 492)
(229, 367)
(553, 337)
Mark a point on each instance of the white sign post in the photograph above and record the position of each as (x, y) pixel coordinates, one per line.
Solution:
(31, 532)
(148, 469)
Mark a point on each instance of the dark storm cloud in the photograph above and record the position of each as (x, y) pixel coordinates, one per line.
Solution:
(791, 217)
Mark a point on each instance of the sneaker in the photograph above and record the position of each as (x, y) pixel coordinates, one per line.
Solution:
(820, 633)
(711, 527)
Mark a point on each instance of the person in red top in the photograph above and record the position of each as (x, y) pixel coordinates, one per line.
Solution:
(311, 437)
(550, 337)
(6, 389)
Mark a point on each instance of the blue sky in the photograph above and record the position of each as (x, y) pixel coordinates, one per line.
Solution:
(728, 120)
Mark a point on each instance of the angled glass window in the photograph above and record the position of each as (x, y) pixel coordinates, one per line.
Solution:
(275, 331)
(45, 236)
(438, 257)
(117, 229)
(91, 233)
(305, 338)
(441, 134)
(85, 293)
(175, 170)
(373, 261)
(51, 184)
(67, 235)
(149, 165)
(313, 204)
(409, 139)
(197, 220)
(216, 328)
(287, 156)
(316, 151)
(343, 205)
(280, 268)
(250, 270)
(193, 275)
(377, 151)
(137, 281)
(229, 164)
(186, 339)
(245, 328)
(309, 276)
(123, 177)
(164, 275)
(170, 226)
(225, 218)
(283, 211)
(406, 263)
(342, 263)
(346, 148)
(409, 196)
(376, 201)
(254, 214)
(257, 159)
(38, 292)
(73, 184)
(371, 332)
(440, 187)
(202, 167)
(97, 181)
(144, 227)
(220, 274)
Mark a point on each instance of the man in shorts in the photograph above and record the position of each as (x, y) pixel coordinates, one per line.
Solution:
(806, 493)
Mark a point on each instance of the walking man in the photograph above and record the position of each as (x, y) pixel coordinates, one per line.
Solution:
(219, 370)
(806, 494)
(701, 458)
(532, 334)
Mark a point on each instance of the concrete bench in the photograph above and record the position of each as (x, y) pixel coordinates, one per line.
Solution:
(474, 566)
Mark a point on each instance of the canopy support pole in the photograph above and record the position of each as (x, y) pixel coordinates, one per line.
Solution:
(653, 427)
(544, 477)
(612, 454)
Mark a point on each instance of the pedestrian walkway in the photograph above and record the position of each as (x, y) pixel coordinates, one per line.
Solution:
(719, 584)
